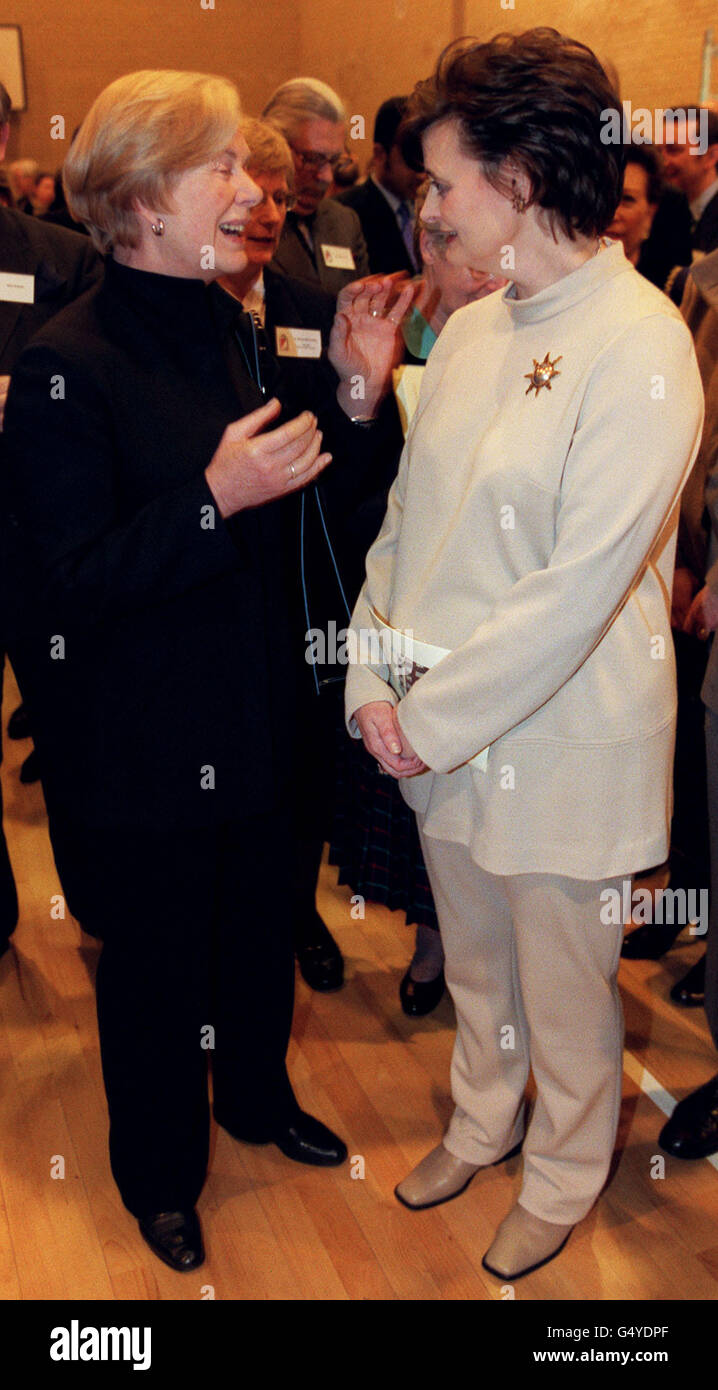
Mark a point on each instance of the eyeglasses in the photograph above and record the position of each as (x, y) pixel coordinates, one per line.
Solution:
(310, 159)
(281, 201)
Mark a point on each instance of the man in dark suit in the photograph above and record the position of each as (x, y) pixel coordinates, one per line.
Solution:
(384, 203)
(692, 171)
(322, 240)
(41, 270)
(294, 319)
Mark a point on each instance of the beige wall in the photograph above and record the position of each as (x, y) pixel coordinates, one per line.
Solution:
(73, 48)
(381, 51)
(656, 45)
(367, 49)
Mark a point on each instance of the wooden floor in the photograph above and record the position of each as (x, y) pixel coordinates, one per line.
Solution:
(273, 1229)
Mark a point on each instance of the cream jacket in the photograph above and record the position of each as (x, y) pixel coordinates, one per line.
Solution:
(533, 533)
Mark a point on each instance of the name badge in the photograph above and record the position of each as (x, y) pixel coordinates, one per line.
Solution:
(338, 257)
(17, 288)
(298, 342)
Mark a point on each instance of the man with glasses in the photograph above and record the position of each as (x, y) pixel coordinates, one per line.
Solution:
(322, 240)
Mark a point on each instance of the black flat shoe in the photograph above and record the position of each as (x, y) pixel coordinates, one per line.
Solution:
(420, 997)
(303, 1139)
(691, 990)
(30, 770)
(650, 941)
(18, 725)
(320, 961)
(175, 1237)
(307, 1140)
(692, 1131)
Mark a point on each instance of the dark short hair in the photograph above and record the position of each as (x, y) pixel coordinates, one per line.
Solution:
(5, 104)
(387, 121)
(645, 156)
(535, 99)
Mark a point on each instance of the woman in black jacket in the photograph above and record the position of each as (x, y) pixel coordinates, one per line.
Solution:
(154, 644)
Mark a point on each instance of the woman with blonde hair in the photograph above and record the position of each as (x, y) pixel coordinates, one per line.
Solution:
(154, 639)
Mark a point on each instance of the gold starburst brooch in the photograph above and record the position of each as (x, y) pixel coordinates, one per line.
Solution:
(542, 374)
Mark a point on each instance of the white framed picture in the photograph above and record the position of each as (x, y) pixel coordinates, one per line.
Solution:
(12, 72)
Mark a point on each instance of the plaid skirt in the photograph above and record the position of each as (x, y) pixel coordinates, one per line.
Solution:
(374, 840)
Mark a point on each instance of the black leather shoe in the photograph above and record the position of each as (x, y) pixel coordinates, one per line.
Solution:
(307, 1140)
(30, 770)
(691, 990)
(18, 725)
(176, 1238)
(303, 1139)
(650, 941)
(420, 997)
(692, 1131)
(320, 960)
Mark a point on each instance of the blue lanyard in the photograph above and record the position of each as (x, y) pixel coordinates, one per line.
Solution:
(256, 375)
(332, 679)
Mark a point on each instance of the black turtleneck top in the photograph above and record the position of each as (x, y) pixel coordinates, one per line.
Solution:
(177, 652)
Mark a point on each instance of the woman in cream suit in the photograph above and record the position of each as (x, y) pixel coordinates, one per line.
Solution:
(531, 535)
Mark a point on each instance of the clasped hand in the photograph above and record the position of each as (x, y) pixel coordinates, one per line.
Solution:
(702, 616)
(384, 740)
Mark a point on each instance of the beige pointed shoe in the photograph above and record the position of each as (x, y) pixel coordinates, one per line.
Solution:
(523, 1243)
(439, 1177)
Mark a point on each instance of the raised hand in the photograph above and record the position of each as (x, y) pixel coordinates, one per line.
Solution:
(366, 337)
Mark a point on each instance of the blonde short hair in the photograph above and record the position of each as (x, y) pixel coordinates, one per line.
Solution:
(139, 136)
(269, 152)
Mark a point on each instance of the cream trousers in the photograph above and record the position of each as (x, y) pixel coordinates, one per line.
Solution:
(532, 972)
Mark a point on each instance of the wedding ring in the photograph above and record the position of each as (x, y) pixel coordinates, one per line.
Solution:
(292, 470)
(375, 313)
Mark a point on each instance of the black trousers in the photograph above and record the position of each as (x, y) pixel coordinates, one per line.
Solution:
(197, 964)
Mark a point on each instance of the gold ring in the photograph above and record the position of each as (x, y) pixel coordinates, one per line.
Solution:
(292, 470)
